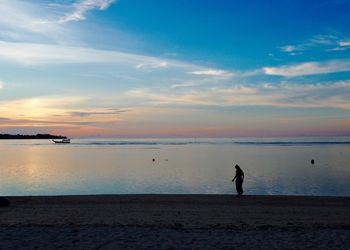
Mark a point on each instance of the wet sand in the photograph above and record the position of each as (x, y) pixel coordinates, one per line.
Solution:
(175, 221)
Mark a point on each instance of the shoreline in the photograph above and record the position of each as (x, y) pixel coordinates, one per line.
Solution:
(175, 221)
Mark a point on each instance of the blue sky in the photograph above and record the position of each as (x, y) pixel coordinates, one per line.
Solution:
(130, 68)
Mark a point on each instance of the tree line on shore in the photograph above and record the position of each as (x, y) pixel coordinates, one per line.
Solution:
(37, 136)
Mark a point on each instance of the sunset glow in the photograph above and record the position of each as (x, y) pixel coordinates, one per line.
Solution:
(131, 69)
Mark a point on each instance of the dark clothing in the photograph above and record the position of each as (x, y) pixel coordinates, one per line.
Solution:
(239, 181)
(239, 187)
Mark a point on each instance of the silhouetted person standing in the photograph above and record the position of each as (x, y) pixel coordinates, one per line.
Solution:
(239, 177)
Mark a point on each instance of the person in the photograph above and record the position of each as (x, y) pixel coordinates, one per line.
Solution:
(239, 177)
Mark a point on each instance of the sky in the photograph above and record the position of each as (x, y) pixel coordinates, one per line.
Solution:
(184, 68)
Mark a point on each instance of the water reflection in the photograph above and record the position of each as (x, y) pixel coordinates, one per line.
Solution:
(42, 168)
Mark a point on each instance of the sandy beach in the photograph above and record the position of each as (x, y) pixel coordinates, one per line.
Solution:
(175, 222)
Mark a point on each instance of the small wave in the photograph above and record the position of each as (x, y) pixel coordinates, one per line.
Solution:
(292, 143)
(253, 143)
(126, 143)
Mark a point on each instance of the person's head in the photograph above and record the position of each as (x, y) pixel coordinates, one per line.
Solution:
(237, 167)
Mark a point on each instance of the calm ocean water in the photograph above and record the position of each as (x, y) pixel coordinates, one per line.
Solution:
(181, 166)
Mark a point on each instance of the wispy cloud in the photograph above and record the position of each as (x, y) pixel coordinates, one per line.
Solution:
(39, 122)
(41, 107)
(329, 42)
(72, 12)
(33, 54)
(211, 72)
(151, 65)
(1, 84)
(309, 68)
(345, 43)
(288, 48)
(214, 79)
(197, 82)
(43, 21)
(17, 19)
(328, 39)
(56, 112)
(99, 112)
(24, 20)
(82, 7)
(332, 94)
(340, 48)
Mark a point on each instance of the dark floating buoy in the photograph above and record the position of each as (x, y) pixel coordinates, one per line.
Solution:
(153, 160)
(312, 161)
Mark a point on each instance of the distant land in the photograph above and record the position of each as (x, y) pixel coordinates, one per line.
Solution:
(37, 136)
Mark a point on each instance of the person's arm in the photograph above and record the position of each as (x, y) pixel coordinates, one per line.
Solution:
(234, 178)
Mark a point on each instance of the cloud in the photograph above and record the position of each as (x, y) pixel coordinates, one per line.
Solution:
(152, 65)
(129, 67)
(38, 107)
(23, 20)
(211, 72)
(214, 79)
(192, 83)
(33, 54)
(344, 43)
(338, 49)
(288, 48)
(56, 112)
(99, 112)
(219, 74)
(327, 95)
(329, 39)
(1, 84)
(319, 42)
(82, 7)
(38, 21)
(309, 68)
(166, 97)
(5, 122)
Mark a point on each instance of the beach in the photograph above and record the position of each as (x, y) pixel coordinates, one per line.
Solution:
(175, 222)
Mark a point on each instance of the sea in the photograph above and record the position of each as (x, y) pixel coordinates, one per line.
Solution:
(272, 166)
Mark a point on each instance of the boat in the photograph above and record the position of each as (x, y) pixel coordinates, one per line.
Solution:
(62, 141)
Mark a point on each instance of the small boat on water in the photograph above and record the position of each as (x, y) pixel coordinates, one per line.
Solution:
(62, 141)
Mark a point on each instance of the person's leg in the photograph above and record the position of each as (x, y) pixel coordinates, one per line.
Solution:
(239, 187)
